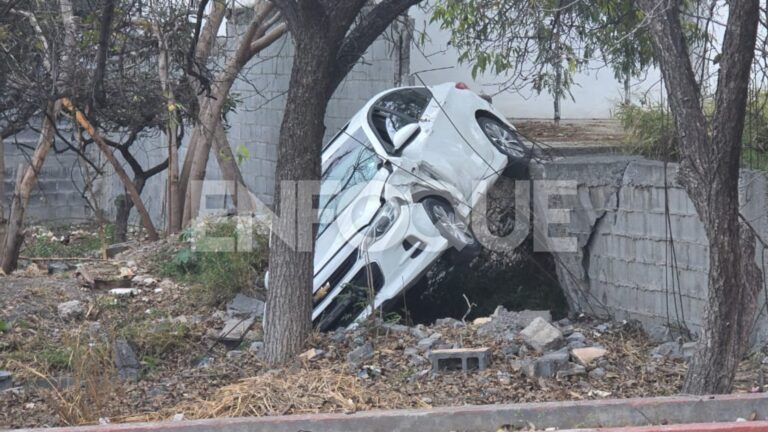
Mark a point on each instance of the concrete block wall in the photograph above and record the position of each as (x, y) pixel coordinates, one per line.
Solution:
(627, 245)
(255, 124)
(57, 196)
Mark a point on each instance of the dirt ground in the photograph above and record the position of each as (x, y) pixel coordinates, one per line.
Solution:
(598, 133)
(64, 371)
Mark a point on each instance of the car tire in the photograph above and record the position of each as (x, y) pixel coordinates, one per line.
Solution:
(504, 138)
(459, 236)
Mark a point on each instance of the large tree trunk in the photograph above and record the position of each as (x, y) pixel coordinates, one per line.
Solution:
(261, 33)
(288, 319)
(709, 171)
(14, 234)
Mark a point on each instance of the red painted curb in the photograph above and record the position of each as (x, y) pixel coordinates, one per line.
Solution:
(757, 426)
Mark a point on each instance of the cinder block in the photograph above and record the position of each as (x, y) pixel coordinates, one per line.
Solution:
(465, 359)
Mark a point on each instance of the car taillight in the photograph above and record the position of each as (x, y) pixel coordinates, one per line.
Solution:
(462, 86)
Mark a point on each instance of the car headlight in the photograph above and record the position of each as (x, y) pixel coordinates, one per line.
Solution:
(381, 224)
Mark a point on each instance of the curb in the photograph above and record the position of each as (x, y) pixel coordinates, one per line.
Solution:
(757, 426)
(681, 413)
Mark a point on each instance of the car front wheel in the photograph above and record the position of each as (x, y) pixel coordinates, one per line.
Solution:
(451, 227)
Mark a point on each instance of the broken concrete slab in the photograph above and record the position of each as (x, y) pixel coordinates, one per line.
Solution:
(71, 310)
(586, 356)
(125, 360)
(357, 356)
(547, 365)
(572, 369)
(242, 306)
(235, 329)
(542, 336)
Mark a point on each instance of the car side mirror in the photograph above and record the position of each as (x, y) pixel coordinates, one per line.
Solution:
(405, 134)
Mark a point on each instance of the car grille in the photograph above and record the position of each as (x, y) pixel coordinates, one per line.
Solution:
(335, 278)
(352, 300)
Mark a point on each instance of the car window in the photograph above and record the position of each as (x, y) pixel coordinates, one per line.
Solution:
(397, 109)
(346, 172)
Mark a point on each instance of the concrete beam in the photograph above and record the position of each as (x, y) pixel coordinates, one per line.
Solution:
(561, 415)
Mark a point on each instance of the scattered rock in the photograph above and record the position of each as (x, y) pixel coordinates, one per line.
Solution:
(689, 349)
(526, 317)
(572, 369)
(566, 330)
(58, 268)
(126, 363)
(542, 336)
(124, 292)
(126, 273)
(311, 354)
(576, 344)
(205, 362)
(602, 328)
(482, 320)
(256, 346)
(419, 332)
(243, 306)
(117, 248)
(565, 322)
(234, 354)
(597, 373)
(395, 328)
(547, 365)
(585, 356)
(235, 329)
(576, 336)
(149, 282)
(71, 310)
(449, 322)
(6, 380)
(671, 350)
(428, 342)
(359, 355)
(511, 349)
(178, 417)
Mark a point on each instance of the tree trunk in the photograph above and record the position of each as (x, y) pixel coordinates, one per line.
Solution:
(288, 319)
(260, 34)
(124, 205)
(146, 220)
(230, 171)
(709, 172)
(2, 182)
(14, 234)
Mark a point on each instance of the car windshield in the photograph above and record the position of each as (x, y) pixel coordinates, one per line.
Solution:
(345, 174)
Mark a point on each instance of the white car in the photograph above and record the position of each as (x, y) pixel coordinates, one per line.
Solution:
(398, 185)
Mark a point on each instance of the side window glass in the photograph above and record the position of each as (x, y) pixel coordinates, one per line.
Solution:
(397, 109)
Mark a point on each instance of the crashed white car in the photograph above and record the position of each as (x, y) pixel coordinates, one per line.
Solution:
(398, 185)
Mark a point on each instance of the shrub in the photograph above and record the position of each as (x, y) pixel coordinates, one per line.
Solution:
(650, 131)
(211, 261)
